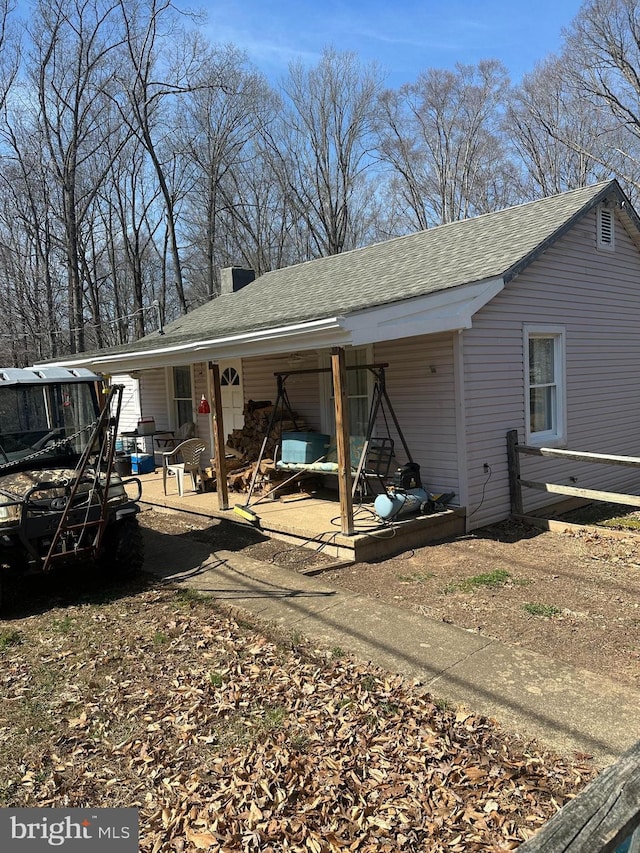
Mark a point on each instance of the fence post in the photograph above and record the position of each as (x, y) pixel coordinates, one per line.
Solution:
(601, 818)
(513, 461)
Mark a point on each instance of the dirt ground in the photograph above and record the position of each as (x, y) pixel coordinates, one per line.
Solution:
(229, 738)
(572, 596)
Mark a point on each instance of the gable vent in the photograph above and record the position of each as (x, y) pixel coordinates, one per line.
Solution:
(606, 230)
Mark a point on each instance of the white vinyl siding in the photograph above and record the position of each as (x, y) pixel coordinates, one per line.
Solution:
(303, 389)
(596, 297)
(153, 397)
(153, 402)
(130, 409)
(420, 384)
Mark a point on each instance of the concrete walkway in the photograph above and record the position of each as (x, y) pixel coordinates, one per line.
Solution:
(567, 709)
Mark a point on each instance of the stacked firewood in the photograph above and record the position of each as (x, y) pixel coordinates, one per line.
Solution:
(257, 416)
(247, 443)
(240, 479)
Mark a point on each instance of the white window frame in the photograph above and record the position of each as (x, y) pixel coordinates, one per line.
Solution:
(557, 435)
(326, 388)
(174, 398)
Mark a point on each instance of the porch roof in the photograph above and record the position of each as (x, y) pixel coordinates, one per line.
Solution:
(428, 281)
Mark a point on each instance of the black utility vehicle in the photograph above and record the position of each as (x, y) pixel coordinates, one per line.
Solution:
(61, 501)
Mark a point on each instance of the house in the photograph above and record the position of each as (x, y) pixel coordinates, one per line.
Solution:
(526, 319)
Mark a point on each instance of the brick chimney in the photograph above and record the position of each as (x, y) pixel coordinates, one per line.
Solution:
(233, 279)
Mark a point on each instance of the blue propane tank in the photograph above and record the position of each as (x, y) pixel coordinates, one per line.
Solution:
(396, 504)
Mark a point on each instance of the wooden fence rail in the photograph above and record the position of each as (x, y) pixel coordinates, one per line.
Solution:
(516, 483)
(604, 818)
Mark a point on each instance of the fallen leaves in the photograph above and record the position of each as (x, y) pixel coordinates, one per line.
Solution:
(229, 741)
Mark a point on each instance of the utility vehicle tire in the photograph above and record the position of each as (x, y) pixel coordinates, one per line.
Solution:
(8, 594)
(122, 548)
(10, 590)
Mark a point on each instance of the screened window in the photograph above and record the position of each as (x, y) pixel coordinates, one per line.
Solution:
(545, 385)
(182, 396)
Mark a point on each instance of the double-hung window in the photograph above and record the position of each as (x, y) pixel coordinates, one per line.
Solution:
(358, 393)
(182, 395)
(545, 409)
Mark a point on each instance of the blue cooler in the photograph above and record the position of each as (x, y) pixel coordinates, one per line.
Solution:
(303, 448)
(142, 463)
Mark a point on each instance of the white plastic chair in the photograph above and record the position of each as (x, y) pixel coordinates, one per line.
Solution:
(190, 451)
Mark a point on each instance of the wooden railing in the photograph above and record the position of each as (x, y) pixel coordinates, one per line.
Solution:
(604, 818)
(516, 483)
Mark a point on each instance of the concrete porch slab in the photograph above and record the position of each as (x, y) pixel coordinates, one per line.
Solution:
(314, 522)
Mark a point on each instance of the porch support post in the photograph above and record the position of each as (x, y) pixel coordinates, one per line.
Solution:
(218, 438)
(339, 372)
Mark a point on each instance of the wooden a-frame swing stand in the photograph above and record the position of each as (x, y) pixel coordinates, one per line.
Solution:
(338, 370)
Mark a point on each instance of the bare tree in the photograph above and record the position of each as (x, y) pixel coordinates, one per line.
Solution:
(221, 118)
(443, 138)
(29, 231)
(130, 217)
(602, 63)
(71, 72)
(137, 158)
(10, 53)
(259, 223)
(323, 145)
(562, 140)
(164, 62)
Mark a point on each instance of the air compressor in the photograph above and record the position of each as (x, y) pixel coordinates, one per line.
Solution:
(394, 504)
(406, 496)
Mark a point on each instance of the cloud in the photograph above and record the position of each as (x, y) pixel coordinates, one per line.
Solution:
(405, 38)
(274, 38)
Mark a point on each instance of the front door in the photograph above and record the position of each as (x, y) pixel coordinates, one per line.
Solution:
(232, 396)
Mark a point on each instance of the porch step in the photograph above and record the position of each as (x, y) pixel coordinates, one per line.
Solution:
(378, 542)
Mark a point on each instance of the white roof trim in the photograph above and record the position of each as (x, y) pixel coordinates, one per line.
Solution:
(445, 310)
(262, 342)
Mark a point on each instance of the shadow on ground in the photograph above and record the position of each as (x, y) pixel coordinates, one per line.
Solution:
(68, 587)
(88, 583)
(508, 531)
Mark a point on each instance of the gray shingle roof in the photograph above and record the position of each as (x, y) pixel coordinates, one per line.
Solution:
(488, 246)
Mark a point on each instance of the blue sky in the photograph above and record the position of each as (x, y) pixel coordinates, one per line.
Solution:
(406, 37)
